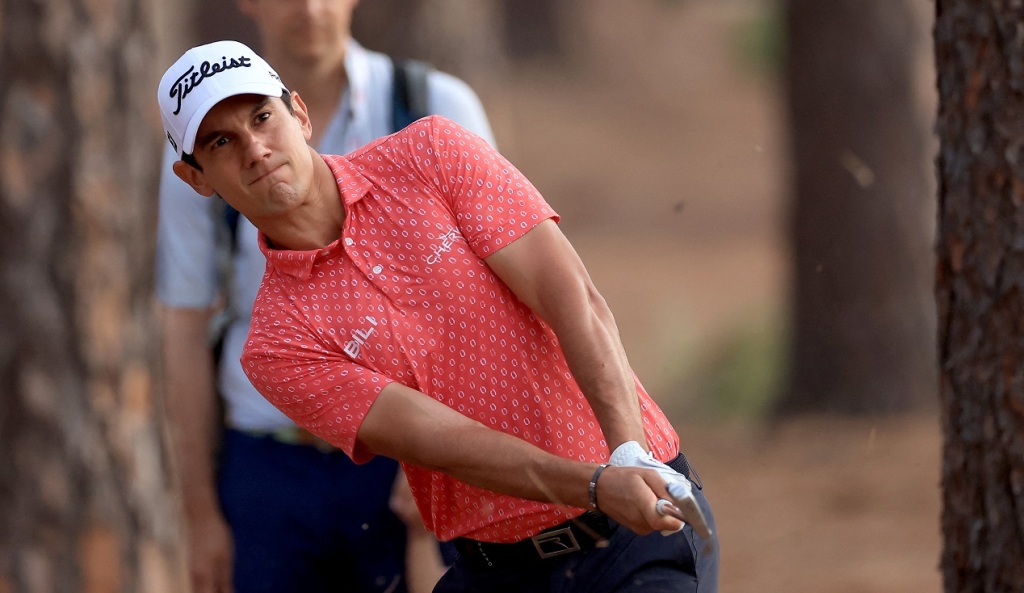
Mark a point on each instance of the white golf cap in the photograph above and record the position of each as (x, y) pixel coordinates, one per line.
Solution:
(205, 76)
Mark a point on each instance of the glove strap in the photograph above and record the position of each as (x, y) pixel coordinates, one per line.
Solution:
(593, 486)
(627, 453)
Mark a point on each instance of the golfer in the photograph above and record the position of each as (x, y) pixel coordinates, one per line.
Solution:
(420, 303)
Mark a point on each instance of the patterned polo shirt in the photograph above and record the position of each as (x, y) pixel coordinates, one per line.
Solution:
(405, 295)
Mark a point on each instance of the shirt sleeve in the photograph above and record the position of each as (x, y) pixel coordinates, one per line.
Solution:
(453, 99)
(319, 389)
(492, 201)
(186, 243)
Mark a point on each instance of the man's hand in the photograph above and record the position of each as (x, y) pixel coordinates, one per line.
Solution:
(677, 486)
(403, 505)
(630, 495)
(424, 564)
(211, 554)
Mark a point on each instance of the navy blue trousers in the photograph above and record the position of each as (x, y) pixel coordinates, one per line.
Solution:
(307, 521)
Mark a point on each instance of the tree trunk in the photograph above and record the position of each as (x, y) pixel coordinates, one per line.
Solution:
(84, 502)
(861, 217)
(979, 53)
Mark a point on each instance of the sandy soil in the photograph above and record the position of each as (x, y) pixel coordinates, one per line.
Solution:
(825, 505)
(665, 154)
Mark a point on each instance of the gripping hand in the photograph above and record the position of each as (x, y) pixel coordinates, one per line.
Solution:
(631, 454)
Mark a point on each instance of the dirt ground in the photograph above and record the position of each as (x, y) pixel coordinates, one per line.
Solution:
(824, 505)
(664, 151)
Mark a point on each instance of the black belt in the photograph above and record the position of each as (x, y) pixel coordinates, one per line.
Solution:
(580, 533)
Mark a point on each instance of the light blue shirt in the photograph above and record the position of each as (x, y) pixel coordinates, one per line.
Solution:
(193, 264)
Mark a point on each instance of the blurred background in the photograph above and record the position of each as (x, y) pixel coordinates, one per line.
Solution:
(748, 181)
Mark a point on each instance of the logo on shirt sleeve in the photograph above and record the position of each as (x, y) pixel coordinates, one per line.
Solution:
(443, 245)
(360, 337)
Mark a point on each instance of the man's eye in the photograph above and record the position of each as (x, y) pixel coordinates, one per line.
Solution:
(221, 141)
(262, 117)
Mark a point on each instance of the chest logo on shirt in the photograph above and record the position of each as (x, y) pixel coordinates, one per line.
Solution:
(443, 245)
(359, 338)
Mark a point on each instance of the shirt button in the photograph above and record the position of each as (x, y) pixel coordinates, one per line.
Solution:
(377, 269)
(349, 241)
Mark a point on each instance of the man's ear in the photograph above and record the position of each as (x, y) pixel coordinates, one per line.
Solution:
(194, 177)
(302, 114)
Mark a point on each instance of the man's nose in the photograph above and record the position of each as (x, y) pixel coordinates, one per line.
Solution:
(255, 148)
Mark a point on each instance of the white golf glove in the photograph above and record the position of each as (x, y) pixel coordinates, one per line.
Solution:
(631, 454)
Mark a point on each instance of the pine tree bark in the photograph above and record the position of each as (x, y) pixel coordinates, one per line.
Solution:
(979, 54)
(861, 221)
(84, 497)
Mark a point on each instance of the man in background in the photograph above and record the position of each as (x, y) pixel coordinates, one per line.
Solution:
(268, 506)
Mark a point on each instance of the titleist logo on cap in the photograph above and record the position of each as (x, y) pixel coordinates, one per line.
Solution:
(193, 78)
(204, 76)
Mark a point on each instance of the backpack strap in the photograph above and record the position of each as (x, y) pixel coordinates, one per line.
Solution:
(231, 217)
(409, 100)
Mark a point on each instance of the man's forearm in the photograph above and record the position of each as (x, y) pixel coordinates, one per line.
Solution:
(404, 424)
(595, 355)
(546, 273)
(190, 401)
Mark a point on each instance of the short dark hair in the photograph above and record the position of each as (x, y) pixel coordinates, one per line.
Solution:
(189, 158)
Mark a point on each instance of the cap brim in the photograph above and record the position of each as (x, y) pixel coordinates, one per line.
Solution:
(267, 89)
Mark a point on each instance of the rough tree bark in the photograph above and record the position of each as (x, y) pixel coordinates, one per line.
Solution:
(861, 218)
(979, 54)
(84, 503)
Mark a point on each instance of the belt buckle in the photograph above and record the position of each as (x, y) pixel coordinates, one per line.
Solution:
(555, 543)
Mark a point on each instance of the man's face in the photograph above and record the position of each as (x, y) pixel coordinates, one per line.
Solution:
(253, 153)
(302, 29)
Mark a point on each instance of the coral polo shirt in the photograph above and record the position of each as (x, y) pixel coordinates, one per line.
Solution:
(405, 295)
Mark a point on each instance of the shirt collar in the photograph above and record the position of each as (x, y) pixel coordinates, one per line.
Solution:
(353, 186)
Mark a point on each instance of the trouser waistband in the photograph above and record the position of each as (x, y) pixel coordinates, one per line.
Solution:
(575, 535)
(580, 533)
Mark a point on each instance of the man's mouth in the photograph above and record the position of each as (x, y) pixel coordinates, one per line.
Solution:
(264, 174)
